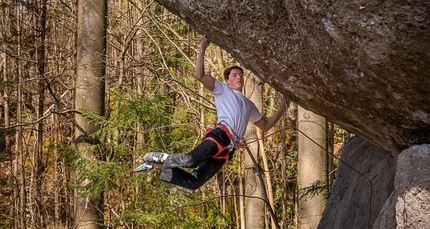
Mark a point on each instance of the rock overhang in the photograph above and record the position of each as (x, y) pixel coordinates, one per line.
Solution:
(363, 65)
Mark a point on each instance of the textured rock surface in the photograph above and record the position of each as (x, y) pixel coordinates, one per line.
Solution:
(348, 205)
(387, 216)
(412, 185)
(362, 64)
(409, 204)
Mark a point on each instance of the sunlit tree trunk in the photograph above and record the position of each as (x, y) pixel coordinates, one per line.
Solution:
(289, 180)
(271, 95)
(89, 95)
(311, 165)
(241, 193)
(266, 172)
(254, 205)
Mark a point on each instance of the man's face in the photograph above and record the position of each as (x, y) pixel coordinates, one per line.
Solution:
(235, 79)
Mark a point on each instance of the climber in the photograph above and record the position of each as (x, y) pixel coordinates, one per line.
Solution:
(234, 111)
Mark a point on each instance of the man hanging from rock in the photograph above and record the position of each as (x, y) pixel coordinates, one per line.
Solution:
(234, 111)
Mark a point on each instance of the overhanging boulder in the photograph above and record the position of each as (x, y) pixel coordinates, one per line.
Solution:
(364, 65)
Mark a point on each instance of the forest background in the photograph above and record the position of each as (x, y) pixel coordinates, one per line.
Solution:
(151, 102)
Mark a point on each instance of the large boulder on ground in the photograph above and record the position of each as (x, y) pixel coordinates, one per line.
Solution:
(409, 204)
(364, 65)
(364, 181)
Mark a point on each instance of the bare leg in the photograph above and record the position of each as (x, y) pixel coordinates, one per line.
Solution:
(158, 166)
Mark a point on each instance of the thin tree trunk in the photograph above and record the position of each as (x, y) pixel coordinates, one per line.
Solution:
(266, 173)
(8, 150)
(57, 188)
(254, 206)
(273, 94)
(67, 194)
(311, 165)
(241, 193)
(284, 182)
(39, 167)
(57, 140)
(19, 165)
(90, 94)
(220, 60)
(140, 81)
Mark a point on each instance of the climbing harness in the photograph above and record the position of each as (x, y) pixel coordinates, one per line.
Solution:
(223, 151)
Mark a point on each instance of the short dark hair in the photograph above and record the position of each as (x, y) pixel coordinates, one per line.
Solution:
(228, 70)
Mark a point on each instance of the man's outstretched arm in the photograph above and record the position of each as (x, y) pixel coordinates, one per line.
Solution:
(266, 124)
(207, 80)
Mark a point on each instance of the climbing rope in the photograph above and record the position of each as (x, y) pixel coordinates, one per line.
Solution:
(263, 186)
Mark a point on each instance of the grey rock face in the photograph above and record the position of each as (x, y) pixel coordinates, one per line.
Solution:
(365, 174)
(409, 204)
(364, 65)
(412, 185)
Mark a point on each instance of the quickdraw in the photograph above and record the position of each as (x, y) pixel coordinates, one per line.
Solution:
(233, 145)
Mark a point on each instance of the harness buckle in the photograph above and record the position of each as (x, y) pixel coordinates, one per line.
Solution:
(231, 146)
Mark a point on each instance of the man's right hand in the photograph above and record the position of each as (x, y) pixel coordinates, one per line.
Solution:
(205, 42)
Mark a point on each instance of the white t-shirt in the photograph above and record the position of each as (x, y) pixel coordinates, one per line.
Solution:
(234, 109)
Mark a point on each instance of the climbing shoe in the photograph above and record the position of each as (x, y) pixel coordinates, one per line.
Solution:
(148, 165)
(155, 157)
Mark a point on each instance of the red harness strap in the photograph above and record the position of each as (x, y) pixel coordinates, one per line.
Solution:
(235, 144)
(224, 127)
(221, 148)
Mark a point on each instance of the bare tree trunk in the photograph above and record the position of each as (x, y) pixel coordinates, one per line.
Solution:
(220, 60)
(254, 206)
(311, 165)
(90, 94)
(272, 103)
(57, 188)
(20, 197)
(67, 195)
(20, 192)
(8, 150)
(39, 167)
(283, 169)
(140, 81)
(266, 172)
(241, 193)
(56, 138)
